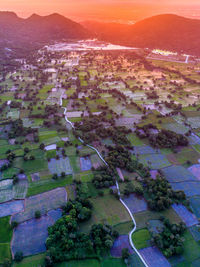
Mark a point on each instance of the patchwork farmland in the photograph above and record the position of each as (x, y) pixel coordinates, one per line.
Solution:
(99, 161)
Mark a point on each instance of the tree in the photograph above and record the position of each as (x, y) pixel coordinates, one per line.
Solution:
(37, 214)
(125, 253)
(14, 224)
(18, 256)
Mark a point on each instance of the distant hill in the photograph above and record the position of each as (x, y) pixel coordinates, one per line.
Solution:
(169, 32)
(35, 30)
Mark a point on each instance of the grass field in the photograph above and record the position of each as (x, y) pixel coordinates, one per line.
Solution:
(106, 209)
(46, 185)
(4, 252)
(75, 163)
(191, 248)
(5, 230)
(113, 262)
(143, 217)
(32, 261)
(124, 228)
(140, 238)
(80, 263)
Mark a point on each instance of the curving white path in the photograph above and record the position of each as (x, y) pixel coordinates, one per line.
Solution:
(117, 185)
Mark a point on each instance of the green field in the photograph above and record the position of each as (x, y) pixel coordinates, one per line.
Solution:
(140, 238)
(46, 185)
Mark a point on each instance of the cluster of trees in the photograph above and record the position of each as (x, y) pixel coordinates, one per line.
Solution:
(163, 139)
(80, 210)
(130, 188)
(118, 156)
(66, 242)
(103, 177)
(17, 129)
(152, 95)
(168, 139)
(81, 207)
(170, 240)
(159, 194)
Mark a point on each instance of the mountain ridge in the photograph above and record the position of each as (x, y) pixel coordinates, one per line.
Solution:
(165, 31)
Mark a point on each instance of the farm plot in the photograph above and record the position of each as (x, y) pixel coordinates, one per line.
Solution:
(187, 153)
(20, 189)
(33, 234)
(195, 231)
(194, 139)
(194, 122)
(154, 161)
(195, 205)
(135, 141)
(96, 161)
(43, 202)
(121, 242)
(135, 204)
(128, 121)
(6, 184)
(154, 258)
(176, 174)
(176, 127)
(188, 218)
(59, 166)
(195, 170)
(112, 214)
(190, 188)
(12, 207)
(6, 191)
(155, 226)
(142, 150)
(85, 163)
(13, 114)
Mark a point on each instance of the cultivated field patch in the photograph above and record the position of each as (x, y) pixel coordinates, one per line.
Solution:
(142, 150)
(195, 205)
(190, 188)
(85, 163)
(154, 161)
(33, 234)
(155, 226)
(195, 231)
(12, 207)
(178, 174)
(188, 218)
(59, 166)
(135, 203)
(121, 242)
(176, 127)
(96, 161)
(195, 170)
(43, 202)
(154, 258)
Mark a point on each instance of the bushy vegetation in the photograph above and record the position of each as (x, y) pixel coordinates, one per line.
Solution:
(168, 139)
(103, 178)
(160, 195)
(170, 240)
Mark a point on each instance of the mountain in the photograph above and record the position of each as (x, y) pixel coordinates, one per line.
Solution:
(169, 32)
(37, 30)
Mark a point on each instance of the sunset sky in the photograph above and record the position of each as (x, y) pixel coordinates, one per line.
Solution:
(108, 10)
